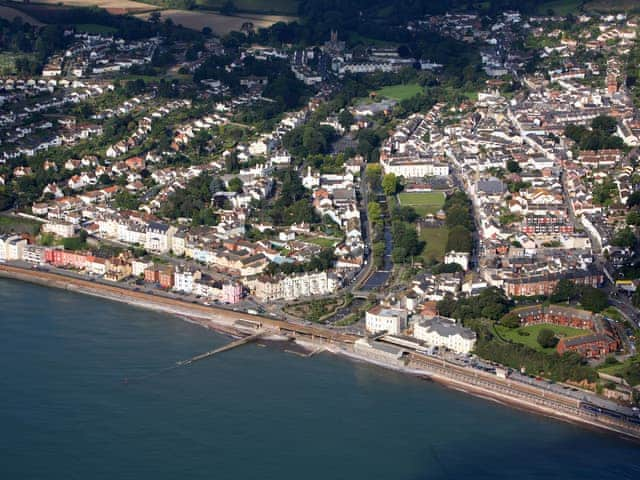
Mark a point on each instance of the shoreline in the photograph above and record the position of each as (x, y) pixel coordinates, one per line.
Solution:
(222, 321)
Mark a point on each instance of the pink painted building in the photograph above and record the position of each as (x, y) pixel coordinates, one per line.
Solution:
(231, 293)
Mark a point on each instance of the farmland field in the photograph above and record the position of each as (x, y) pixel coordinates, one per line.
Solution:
(560, 7)
(531, 340)
(423, 202)
(94, 28)
(400, 92)
(613, 5)
(112, 6)
(9, 13)
(219, 24)
(436, 243)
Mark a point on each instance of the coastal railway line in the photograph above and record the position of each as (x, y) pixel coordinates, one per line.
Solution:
(512, 390)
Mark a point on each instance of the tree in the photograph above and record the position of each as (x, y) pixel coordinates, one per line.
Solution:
(624, 238)
(546, 338)
(634, 199)
(513, 166)
(605, 124)
(235, 185)
(126, 201)
(390, 184)
(565, 291)
(458, 215)
(406, 213)
(375, 212)
(594, 299)
(374, 172)
(346, 119)
(229, 8)
(633, 218)
(510, 320)
(460, 239)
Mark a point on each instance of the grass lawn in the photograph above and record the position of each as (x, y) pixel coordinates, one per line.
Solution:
(531, 340)
(399, 92)
(94, 28)
(18, 225)
(423, 202)
(436, 240)
(324, 242)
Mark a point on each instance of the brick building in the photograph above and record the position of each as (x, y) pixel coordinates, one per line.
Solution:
(604, 339)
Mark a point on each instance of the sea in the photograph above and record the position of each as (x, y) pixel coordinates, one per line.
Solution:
(87, 392)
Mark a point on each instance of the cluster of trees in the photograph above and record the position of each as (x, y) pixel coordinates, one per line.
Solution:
(625, 238)
(600, 136)
(286, 91)
(328, 163)
(569, 366)
(293, 202)
(491, 303)
(406, 242)
(194, 201)
(590, 298)
(126, 201)
(460, 222)
(35, 43)
(368, 142)
(310, 139)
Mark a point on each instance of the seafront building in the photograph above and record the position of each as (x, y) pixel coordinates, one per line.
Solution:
(386, 319)
(445, 332)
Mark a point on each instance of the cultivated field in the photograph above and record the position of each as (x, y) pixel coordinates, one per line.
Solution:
(94, 28)
(423, 202)
(613, 5)
(529, 335)
(436, 243)
(219, 24)
(400, 92)
(112, 6)
(9, 13)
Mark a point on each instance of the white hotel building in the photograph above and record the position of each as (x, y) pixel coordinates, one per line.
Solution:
(445, 332)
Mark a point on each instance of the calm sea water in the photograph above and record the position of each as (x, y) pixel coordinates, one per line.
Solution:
(252, 413)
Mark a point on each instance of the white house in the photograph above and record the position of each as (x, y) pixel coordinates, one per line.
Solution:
(159, 237)
(183, 280)
(461, 258)
(381, 318)
(12, 247)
